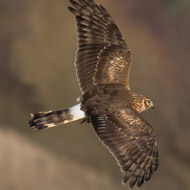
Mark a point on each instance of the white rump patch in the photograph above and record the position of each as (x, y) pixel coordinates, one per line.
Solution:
(76, 112)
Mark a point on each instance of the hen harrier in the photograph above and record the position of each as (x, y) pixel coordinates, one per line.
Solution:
(103, 64)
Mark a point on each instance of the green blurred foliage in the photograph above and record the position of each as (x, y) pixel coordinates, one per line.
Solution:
(37, 52)
(177, 6)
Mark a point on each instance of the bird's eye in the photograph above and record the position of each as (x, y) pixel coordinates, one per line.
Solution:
(148, 102)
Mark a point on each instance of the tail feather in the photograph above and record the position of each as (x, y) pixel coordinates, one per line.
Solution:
(44, 120)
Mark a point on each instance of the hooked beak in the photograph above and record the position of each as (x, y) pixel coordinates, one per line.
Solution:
(152, 106)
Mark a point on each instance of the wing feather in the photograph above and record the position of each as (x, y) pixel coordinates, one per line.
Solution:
(132, 142)
(97, 35)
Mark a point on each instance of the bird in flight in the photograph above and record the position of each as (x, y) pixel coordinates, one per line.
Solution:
(103, 63)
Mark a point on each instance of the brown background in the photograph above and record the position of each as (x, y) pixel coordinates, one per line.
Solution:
(37, 50)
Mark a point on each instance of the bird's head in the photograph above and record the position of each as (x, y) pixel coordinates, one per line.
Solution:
(141, 103)
(148, 103)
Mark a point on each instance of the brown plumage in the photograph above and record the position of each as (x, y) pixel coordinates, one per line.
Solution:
(113, 111)
(101, 49)
(103, 64)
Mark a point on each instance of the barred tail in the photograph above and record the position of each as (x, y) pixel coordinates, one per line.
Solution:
(44, 120)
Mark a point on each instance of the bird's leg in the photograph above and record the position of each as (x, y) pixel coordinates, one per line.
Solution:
(86, 119)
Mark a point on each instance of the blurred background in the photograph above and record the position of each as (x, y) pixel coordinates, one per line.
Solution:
(37, 51)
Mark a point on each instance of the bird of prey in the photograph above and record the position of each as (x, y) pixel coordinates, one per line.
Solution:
(103, 63)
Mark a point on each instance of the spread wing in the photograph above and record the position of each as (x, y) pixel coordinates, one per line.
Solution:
(132, 142)
(102, 56)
